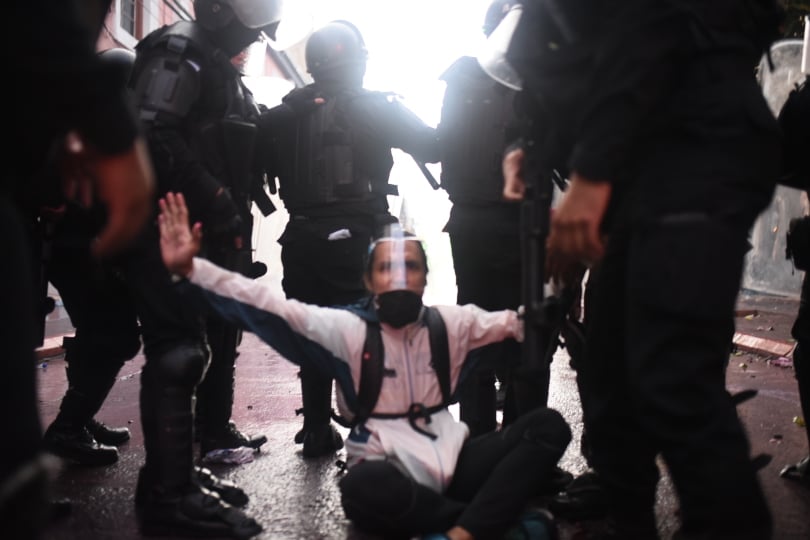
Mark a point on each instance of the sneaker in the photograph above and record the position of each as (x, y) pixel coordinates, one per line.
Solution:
(227, 490)
(321, 441)
(198, 513)
(78, 446)
(105, 434)
(536, 524)
(229, 437)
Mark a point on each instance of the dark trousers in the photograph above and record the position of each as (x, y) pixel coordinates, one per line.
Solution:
(497, 473)
(325, 273)
(173, 330)
(653, 378)
(488, 274)
(102, 312)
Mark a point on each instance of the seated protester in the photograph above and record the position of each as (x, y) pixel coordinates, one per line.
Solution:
(412, 468)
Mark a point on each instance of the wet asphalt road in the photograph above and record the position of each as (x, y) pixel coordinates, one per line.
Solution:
(297, 499)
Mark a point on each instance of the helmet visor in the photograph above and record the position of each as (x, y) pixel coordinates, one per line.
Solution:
(257, 13)
(493, 56)
(396, 255)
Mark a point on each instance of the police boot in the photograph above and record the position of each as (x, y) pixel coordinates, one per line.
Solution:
(215, 395)
(68, 438)
(320, 438)
(227, 490)
(584, 498)
(195, 512)
(104, 434)
(168, 499)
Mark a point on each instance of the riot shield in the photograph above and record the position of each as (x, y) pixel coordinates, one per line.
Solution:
(776, 83)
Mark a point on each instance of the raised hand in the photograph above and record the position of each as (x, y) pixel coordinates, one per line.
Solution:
(178, 243)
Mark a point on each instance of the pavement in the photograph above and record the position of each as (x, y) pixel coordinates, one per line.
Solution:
(297, 499)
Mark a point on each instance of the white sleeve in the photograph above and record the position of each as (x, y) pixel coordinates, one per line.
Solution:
(338, 330)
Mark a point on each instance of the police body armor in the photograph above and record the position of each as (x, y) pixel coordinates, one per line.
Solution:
(330, 159)
(478, 121)
(220, 124)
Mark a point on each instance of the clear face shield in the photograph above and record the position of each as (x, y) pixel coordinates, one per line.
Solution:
(257, 14)
(397, 277)
(493, 56)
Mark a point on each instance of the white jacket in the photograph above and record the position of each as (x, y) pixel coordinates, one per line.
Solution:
(409, 376)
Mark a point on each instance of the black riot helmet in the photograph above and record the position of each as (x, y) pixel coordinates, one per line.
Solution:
(235, 24)
(337, 52)
(495, 13)
(122, 60)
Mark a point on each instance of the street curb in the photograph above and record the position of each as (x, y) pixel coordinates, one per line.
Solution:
(763, 346)
(52, 347)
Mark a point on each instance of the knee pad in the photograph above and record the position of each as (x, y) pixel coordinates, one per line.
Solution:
(184, 365)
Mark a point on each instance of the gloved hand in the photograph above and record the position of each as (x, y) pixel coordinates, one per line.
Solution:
(223, 221)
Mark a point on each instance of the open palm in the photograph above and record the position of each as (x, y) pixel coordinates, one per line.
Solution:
(178, 242)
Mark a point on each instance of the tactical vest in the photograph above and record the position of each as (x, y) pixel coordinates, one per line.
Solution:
(209, 102)
(331, 161)
(477, 123)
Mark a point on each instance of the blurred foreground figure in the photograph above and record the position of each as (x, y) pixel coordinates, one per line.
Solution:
(653, 112)
(73, 92)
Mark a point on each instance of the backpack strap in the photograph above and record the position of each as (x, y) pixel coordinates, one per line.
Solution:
(371, 373)
(373, 366)
(439, 350)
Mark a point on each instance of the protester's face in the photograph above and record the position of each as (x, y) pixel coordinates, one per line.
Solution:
(395, 264)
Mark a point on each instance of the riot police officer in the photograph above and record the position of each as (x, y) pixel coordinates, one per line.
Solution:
(100, 309)
(329, 144)
(196, 112)
(653, 111)
(478, 121)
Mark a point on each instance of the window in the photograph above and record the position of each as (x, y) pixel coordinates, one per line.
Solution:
(127, 19)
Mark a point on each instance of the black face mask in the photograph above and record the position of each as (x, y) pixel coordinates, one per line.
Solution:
(398, 308)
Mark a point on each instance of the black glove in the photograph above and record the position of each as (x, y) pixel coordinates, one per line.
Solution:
(223, 221)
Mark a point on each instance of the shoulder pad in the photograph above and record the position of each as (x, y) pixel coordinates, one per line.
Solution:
(178, 38)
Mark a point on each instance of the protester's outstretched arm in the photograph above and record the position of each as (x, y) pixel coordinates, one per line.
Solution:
(179, 243)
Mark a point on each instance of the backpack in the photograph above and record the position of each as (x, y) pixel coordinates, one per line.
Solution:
(373, 369)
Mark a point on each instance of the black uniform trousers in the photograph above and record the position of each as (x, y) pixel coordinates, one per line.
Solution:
(323, 272)
(488, 270)
(101, 310)
(653, 378)
(176, 351)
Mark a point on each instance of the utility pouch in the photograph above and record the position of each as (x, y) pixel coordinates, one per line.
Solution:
(797, 243)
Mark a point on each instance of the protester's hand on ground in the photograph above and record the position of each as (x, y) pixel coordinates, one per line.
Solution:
(178, 243)
(575, 237)
(514, 186)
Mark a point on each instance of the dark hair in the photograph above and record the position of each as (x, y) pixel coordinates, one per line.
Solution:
(406, 235)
